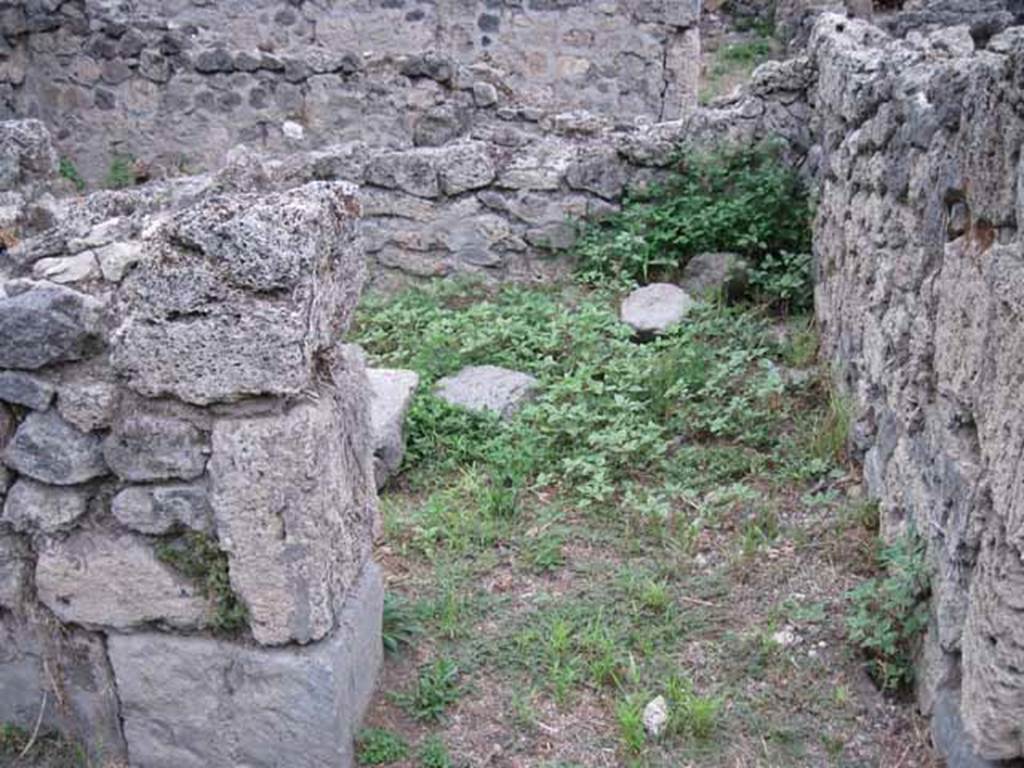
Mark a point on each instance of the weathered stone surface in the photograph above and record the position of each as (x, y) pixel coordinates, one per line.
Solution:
(294, 706)
(62, 672)
(412, 172)
(466, 166)
(47, 448)
(114, 580)
(117, 258)
(67, 269)
(238, 295)
(293, 501)
(46, 324)
(391, 393)
(919, 299)
(714, 275)
(15, 571)
(26, 154)
(145, 447)
(655, 308)
(88, 404)
(160, 509)
(25, 389)
(487, 388)
(32, 506)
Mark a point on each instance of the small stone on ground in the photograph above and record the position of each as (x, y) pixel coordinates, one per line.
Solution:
(487, 388)
(655, 308)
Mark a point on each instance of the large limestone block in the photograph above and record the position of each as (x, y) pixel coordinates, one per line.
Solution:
(195, 702)
(293, 503)
(391, 393)
(42, 323)
(114, 580)
(238, 295)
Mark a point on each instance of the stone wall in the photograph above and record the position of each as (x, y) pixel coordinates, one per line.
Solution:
(920, 296)
(506, 201)
(175, 407)
(147, 78)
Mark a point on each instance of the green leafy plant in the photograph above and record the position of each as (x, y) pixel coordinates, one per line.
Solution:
(889, 613)
(738, 200)
(68, 171)
(434, 754)
(399, 626)
(379, 746)
(197, 556)
(436, 689)
(629, 714)
(784, 278)
(120, 172)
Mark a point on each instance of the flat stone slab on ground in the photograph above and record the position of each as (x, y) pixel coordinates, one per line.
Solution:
(655, 308)
(487, 388)
(391, 393)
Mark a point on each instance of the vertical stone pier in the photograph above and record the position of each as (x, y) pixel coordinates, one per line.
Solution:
(187, 482)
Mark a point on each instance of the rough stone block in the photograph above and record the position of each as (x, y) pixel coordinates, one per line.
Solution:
(26, 153)
(88, 404)
(114, 580)
(238, 295)
(160, 509)
(293, 500)
(25, 389)
(41, 323)
(15, 570)
(47, 448)
(140, 448)
(63, 672)
(655, 308)
(32, 506)
(487, 388)
(259, 707)
(391, 393)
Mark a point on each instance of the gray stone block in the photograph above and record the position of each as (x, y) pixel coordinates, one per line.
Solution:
(62, 672)
(32, 507)
(391, 393)
(47, 448)
(239, 295)
(115, 580)
(160, 509)
(142, 448)
(27, 155)
(655, 308)
(487, 389)
(47, 324)
(25, 389)
(15, 571)
(88, 404)
(293, 501)
(194, 702)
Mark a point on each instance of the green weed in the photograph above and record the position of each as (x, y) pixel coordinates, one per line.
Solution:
(398, 624)
(889, 613)
(120, 172)
(434, 754)
(197, 556)
(737, 200)
(436, 689)
(379, 746)
(69, 171)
